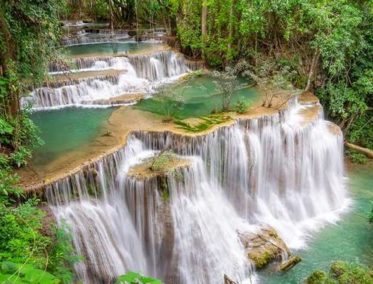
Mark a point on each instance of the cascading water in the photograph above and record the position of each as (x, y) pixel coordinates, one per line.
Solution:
(119, 223)
(141, 74)
(274, 170)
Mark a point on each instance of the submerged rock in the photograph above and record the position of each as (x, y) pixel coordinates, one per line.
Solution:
(264, 246)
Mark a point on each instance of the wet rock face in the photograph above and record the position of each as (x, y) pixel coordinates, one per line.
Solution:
(148, 194)
(264, 246)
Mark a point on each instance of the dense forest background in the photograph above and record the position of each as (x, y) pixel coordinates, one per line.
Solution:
(323, 46)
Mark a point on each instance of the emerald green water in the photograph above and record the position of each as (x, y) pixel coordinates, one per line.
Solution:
(106, 48)
(199, 96)
(66, 129)
(350, 240)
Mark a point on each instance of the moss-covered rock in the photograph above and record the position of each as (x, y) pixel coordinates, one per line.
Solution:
(160, 165)
(342, 273)
(264, 246)
(317, 277)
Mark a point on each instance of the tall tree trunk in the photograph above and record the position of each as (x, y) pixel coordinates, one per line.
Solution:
(111, 16)
(230, 36)
(313, 66)
(7, 55)
(203, 25)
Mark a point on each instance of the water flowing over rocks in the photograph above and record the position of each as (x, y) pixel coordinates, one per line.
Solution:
(95, 79)
(283, 170)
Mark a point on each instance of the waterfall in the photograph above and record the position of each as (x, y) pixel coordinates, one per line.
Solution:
(280, 170)
(85, 36)
(276, 169)
(159, 65)
(119, 223)
(141, 74)
(206, 227)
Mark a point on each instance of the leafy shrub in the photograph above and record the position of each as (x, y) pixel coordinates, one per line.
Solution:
(342, 273)
(15, 273)
(240, 107)
(136, 278)
(206, 123)
(20, 237)
(62, 255)
(20, 137)
(161, 161)
(9, 190)
(357, 157)
(6, 131)
(19, 157)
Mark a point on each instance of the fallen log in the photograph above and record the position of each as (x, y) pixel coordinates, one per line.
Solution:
(362, 150)
(290, 263)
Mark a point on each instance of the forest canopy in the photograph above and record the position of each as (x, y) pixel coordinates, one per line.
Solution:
(324, 44)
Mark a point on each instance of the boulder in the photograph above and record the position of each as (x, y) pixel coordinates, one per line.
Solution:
(263, 246)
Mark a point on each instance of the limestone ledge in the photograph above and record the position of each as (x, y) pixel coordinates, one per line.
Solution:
(69, 78)
(122, 123)
(146, 51)
(158, 166)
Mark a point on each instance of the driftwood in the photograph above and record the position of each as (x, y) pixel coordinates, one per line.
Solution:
(290, 263)
(365, 151)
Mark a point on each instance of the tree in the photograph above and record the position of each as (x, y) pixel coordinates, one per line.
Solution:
(29, 33)
(170, 101)
(325, 45)
(226, 82)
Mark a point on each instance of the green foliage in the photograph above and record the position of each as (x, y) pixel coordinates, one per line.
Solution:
(100, 10)
(62, 255)
(9, 189)
(206, 123)
(15, 273)
(357, 157)
(288, 35)
(29, 37)
(29, 33)
(20, 136)
(226, 82)
(5, 129)
(171, 101)
(342, 273)
(318, 277)
(162, 160)
(23, 241)
(241, 107)
(136, 278)
(33, 28)
(20, 237)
